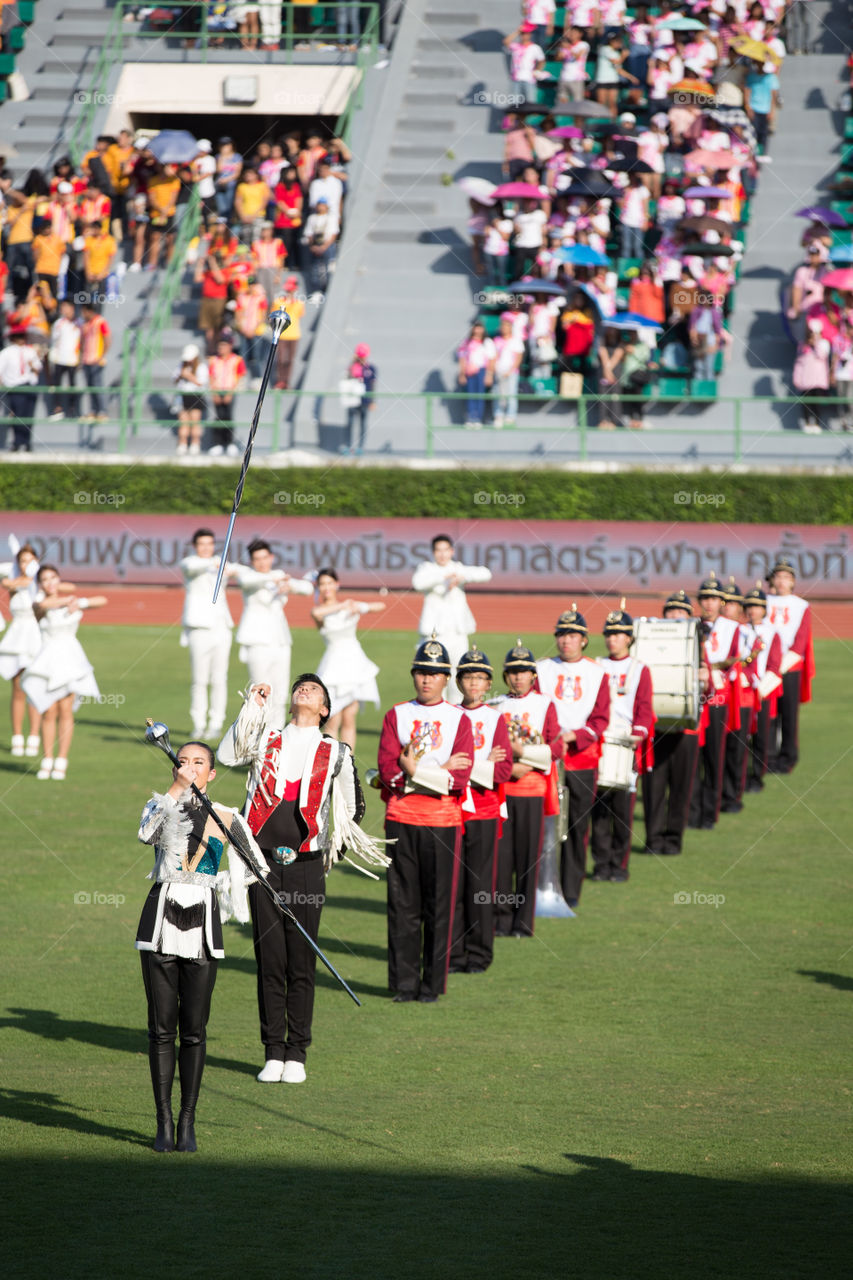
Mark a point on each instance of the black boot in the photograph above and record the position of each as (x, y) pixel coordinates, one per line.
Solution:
(190, 1068)
(161, 1060)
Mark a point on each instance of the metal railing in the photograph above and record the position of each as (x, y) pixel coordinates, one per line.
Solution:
(418, 413)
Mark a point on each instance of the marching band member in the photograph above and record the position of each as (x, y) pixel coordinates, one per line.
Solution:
(263, 634)
(446, 613)
(791, 615)
(734, 763)
(426, 752)
(179, 938)
(580, 691)
(303, 808)
(534, 733)
(720, 646)
(344, 668)
(473, 917)
(206, 632)
(763, 673)
(60, 674)
(668, 786)
(631, 717)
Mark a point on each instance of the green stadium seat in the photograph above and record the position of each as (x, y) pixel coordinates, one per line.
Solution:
(544, 386)
(624, 265)
(490, 322)
(674, 386)
(842, 236)
(7, 64)
(15, 39)
(703, 387)
(4, 91)
(27, 11)
(848, 129)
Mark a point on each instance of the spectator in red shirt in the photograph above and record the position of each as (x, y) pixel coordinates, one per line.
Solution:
(94, 345)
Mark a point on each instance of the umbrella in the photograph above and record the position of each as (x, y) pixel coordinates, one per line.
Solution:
(704, 222)
(582, 255)
(479, 189)
(583, 108)
(703, 250)
(592, 193)
(630, 166)
(818, 213)
(678, 23)
(538, 286)
(711, 160)
(531, 109)
(841, 279)
(754, 50)
(630, 320)
(841, 253)
(707, 193)
(519, 191)
(693, 86)
(174, 146)
(566, 131)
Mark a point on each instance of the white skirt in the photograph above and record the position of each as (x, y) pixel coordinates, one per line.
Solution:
(61, 667)
(348, 674)
(20, 645)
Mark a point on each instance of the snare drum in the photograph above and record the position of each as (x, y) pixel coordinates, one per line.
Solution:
(616, 765)
(670, 649)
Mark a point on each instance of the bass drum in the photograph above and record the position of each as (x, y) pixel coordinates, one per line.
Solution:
(670, 648)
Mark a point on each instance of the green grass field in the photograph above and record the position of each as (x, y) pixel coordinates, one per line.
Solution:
(650, 1090)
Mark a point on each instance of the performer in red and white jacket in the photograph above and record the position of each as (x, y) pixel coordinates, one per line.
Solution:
(741, 706)
(791, 615)
(580, 692)
(534, 735)
(303, 808)
(425, 756)
(631, 716)
(763, 673)
(720, 651)
(473, 920)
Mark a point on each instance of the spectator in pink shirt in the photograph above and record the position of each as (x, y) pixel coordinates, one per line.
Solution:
(476, 372)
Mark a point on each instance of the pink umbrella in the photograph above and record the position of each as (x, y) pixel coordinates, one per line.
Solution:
(710, 160)
(520, 191)
(840, 279)
(565, 131)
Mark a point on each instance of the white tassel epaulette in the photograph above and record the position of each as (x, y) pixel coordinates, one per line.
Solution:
(166, 825)
(348, 834)
(251, 730)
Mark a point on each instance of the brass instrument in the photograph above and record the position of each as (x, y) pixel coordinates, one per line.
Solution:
(519, 732)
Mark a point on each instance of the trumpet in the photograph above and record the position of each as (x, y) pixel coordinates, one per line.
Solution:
(371, 777)
(521, 732)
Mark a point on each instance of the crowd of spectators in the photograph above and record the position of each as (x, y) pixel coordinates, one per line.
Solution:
(70, 237)
(632, 145)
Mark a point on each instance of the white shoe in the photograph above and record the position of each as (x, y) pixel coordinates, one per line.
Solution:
(33, 744)
(60, 765)
(17, 744)
(271, 1072)
(182, 448)
(134, 266)
(195, 449)
(216, 452)
(233, 451)
(811, 429)
(294, 1073)
(56, 417)
(45, 768)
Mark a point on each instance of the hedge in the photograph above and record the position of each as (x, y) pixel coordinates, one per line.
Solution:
(698, 497)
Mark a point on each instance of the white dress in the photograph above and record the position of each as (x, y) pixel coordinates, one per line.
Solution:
(345, 668)
(60, 667)
(23, 639)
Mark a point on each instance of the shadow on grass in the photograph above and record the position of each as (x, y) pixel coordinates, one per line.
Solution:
(49, 1111)
(838, 980)
(595, 1218)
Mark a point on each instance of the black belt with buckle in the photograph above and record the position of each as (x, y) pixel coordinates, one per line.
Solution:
(283, 855)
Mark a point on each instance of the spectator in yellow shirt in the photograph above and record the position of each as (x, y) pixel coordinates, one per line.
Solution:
(163, 191)
(48, 249)
(289, 340)
(250, 204)
(99, 253)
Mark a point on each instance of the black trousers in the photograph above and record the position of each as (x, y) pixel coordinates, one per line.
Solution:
(286, 963)
(734, 770)
(758, 745)
(667, 789)
(580, 784)
(519, 851)
(708, 787)
(473, 923)
(421, 894)
(787, 721)
(178, 992)
(612, 822)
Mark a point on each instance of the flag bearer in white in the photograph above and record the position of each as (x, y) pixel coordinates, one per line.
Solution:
(207, 632)
(446, 614)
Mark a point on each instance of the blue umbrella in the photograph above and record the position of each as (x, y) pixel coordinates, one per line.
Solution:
(631, 320)
(174, 146)
(582, 255)
(842, 253)
(539, 286)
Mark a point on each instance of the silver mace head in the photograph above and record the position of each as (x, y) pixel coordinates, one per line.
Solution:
(278, 321)
(158, 733)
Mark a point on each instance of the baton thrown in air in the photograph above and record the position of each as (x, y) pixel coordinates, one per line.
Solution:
(158, 733)
(279, 321)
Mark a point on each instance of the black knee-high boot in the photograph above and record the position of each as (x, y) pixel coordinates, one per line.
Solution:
(161, 1060)
(190, 1069)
